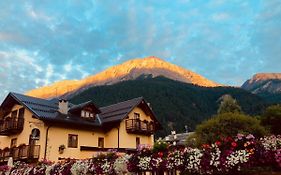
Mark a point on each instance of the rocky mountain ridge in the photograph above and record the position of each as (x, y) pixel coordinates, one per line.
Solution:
(264, 83)
(130, 70)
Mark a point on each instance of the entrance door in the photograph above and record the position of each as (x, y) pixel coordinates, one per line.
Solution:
(31, 147)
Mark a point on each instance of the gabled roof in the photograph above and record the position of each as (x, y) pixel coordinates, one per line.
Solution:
(39, 107)
(119, 111)
(46, 110)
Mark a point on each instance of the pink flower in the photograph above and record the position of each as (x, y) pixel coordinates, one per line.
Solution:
(240, 136)
(250, 136)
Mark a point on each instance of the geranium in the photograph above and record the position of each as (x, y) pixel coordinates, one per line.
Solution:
(237, 158)
(193, 160)
(144, 163)
(120, 164)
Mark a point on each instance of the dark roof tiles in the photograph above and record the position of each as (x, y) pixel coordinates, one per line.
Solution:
(47, 110)
(118, 111)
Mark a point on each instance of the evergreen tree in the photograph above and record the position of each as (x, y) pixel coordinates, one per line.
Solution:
(229, 105)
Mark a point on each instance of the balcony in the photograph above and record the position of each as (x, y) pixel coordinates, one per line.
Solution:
(25, 152)
(11, 126)
(136, 126)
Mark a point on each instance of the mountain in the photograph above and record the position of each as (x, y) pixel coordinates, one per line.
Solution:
(175, 103)
(266, 85)
(130, 70)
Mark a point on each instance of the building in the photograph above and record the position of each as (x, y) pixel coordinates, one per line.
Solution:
(177, 139)
(33, 128)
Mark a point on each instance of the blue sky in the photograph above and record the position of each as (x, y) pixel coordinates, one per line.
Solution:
(226, 41)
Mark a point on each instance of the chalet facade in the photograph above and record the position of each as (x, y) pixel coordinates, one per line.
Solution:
(33, 128)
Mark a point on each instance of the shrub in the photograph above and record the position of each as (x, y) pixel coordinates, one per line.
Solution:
(160, 145)
(272, 119)
(228, 124)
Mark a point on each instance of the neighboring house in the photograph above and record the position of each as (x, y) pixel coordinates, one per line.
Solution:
(177, 139)
(33, 128)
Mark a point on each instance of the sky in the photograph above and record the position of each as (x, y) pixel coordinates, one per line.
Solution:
(226, 41)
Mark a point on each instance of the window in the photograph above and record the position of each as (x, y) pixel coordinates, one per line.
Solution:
(14, 114)
(101, 142)
(13, 143)
(21, 113)
(137, 142)
(87, 114)
(72, 141)
(136, 116)
(35, 134)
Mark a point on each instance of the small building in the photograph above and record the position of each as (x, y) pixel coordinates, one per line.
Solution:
(33, 128)
(177, 139)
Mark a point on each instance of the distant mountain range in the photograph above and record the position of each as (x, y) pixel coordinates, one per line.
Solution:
(266, 85)
(178, 96)
(130, 70)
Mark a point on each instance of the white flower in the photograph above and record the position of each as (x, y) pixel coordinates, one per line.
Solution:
(144, 163)
(236, 158)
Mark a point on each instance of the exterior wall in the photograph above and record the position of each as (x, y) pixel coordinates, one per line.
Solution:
(59, 135)
(127, 140)
(23, 137)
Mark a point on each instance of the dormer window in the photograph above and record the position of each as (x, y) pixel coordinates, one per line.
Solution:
(87, 114)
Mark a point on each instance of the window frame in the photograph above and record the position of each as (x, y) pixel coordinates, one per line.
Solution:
(70, 142)
(136, 116)
(21, 113)
(137, 142)
(99, 141)
(13, 142)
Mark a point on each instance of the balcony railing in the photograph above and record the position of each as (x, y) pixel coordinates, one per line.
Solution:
(25, 152)
(139, 127)
(11, 126)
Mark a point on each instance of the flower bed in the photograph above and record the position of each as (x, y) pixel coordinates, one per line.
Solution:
(225, 156)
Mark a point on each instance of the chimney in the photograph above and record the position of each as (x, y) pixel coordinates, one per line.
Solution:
(148, 104)
(63, 106)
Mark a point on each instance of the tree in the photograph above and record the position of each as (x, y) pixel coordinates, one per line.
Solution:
(272, 119)
(228, 124)
(228, 104)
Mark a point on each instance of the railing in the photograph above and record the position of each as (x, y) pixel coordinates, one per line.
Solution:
(139, 127)
(24, 152)
(11, 126)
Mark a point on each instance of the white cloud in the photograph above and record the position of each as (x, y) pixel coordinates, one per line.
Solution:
(220, 16)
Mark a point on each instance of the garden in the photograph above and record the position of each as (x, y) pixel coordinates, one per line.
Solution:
(243, 154)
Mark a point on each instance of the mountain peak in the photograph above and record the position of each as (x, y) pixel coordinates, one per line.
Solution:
(129, 70)
(264, 83)
(266, 76)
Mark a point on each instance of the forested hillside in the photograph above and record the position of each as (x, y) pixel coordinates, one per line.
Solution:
(176, 104)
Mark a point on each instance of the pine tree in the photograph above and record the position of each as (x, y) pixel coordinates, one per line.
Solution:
(228, 105)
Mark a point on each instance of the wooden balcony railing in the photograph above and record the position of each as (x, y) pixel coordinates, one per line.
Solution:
(139, 127)
(11, 126)
(25, 152)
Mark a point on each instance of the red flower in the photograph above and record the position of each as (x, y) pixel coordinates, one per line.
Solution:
(206, 146)
(229, 139)
(160, 154)
(218, 143)
(233, 144)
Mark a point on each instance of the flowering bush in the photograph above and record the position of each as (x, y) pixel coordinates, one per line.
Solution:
(226, 156)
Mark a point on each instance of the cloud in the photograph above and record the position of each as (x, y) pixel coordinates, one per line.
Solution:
(43, 42)
(220, 16)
